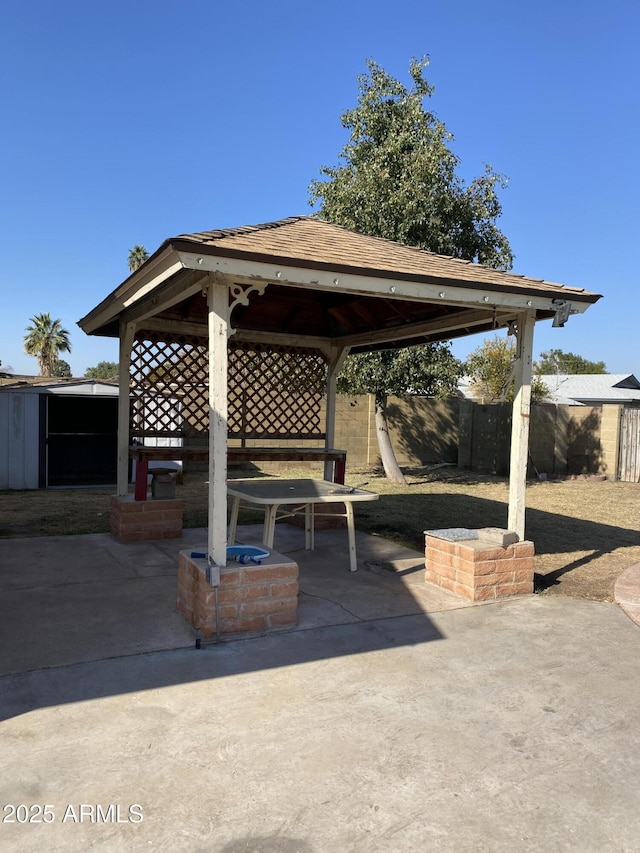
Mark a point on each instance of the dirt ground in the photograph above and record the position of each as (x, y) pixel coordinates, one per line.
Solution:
(586, 532)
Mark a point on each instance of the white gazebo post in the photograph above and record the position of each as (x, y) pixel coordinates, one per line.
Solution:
(520, 423)
(127, 332)
(336, 360)
(218, 305)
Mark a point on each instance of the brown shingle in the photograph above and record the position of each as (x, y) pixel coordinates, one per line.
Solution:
(304, 240)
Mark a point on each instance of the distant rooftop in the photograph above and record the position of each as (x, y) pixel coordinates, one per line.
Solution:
(592, 388)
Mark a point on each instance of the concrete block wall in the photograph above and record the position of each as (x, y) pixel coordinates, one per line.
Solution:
(610, 440)
(135, 521)
(251, 597)
(562, 440)
(422, 430)
(584, 451)
(478, 570)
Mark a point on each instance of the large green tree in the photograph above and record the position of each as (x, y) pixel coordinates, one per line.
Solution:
(44, 340)
(556, 361)
(489, 368)
(398, 176)
(102, 370)
(61, 368)
(137, 256)
(398, 179)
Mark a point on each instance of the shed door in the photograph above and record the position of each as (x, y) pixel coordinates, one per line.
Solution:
(81, 440)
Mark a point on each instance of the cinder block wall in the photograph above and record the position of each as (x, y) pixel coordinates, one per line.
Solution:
(562, 439)
(423, 430)
(610, 439)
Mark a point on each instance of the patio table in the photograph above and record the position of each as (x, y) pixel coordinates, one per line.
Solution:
(286, 498)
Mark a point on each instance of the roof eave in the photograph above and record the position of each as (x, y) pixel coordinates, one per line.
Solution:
(373, 282)
(162, 265)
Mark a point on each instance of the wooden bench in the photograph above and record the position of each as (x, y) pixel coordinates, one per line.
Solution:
(144, 454)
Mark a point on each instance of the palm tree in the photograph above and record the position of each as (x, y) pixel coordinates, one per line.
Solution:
(46, 338)
(137, 256)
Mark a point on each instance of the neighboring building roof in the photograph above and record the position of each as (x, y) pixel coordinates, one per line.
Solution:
(578, 389)
(592, 388)
(66, 385)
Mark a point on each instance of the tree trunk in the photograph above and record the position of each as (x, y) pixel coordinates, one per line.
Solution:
(389, 462)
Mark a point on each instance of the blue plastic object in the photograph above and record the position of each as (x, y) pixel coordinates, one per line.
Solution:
(239, 553)
(246, 553)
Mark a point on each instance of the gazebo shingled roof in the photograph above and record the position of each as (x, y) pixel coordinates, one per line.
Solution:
(327, 306)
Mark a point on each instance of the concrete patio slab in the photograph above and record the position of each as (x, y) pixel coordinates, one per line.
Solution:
(73, 599)
(508, 727)
(513, 726)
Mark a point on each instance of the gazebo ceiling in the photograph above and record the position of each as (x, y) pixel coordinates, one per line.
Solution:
(326, 284)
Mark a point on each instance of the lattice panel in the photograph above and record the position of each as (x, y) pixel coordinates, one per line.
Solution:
(273, 391)
(169, 386)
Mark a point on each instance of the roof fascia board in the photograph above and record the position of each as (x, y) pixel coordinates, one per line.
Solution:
(367, 285)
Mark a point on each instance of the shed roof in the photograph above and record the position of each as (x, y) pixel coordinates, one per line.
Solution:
(326, 282)
(64, 386)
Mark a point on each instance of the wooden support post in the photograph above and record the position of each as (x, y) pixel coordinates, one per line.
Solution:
(218, 305)
(520, 423)
(333, 471)
(127, 332)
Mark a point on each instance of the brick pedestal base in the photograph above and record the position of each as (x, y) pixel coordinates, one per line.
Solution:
(251, 597)
(135, 521)
(477, 569)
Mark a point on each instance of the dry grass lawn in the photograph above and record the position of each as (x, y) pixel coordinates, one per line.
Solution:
(585, 532)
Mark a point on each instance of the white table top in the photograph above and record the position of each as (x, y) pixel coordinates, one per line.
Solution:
(296, 491)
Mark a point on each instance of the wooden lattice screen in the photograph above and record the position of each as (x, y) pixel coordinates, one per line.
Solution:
(273, 392)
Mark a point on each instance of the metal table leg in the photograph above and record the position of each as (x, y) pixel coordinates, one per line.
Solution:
(309, 531)
(351, 529)
(233, 521)
(269, 531)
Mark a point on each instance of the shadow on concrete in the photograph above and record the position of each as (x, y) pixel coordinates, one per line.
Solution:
(28, 691)
(72, 608)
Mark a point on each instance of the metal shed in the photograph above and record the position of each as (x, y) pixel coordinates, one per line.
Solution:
(58, 433)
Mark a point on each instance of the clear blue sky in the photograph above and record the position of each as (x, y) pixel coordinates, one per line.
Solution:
(128, 123)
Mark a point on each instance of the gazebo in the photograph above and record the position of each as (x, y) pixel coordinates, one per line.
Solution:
(207, 309)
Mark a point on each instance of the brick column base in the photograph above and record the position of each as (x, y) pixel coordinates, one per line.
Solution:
(251, 597)
(135, 521)
(477, 569)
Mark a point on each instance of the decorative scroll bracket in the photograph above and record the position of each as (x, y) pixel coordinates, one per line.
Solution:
(238, 293)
